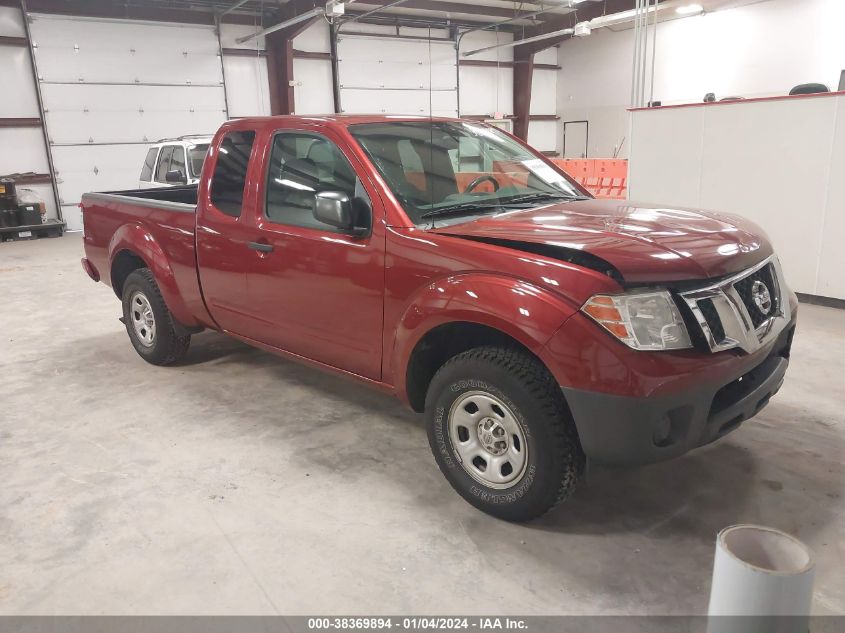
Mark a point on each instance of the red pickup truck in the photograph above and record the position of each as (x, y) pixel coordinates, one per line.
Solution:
(450, 264)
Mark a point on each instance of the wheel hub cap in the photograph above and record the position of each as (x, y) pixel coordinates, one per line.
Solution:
(488, 440)
(492, 436)
(142, 319)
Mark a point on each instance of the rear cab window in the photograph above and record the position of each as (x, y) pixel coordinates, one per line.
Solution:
(229, 177)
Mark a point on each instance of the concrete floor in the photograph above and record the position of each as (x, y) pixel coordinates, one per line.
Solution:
(243, 483)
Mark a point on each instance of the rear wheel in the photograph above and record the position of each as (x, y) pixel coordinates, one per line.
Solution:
(148, 321)
(502, 434)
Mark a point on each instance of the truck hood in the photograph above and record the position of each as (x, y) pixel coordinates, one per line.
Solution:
(644, 243)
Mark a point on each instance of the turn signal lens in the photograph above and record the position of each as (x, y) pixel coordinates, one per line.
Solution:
(641, 320)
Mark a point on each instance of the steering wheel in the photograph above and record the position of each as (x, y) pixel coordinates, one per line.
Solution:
(479, 180)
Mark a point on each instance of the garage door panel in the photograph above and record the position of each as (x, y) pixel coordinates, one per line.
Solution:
(117, 35)
(81, 169)
(100, 98)
(92, 66)
(70, 50)
(122, 127)
(392, 75)
(443, 103)
(397, 75)
(368, 49)
(135, 90)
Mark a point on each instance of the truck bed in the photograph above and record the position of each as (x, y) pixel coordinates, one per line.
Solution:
(158, 224)
(185, 195)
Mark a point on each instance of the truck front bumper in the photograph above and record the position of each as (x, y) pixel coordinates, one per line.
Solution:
(627, 431)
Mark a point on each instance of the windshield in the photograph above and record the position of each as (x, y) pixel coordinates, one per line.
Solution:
(196, 157)
(458, 168)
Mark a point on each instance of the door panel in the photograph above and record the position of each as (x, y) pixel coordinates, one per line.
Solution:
(320, 296)
(224, 231)
(576, 135)
(319, 293)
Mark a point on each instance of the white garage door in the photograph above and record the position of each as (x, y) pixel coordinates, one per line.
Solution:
(111, 87)
(402, 76)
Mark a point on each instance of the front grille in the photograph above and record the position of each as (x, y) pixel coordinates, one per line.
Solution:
(727, 314)
(745, 289)
(708, 311)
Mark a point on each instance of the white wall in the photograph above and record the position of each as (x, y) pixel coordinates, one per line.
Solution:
(760, 49)
(777, 162)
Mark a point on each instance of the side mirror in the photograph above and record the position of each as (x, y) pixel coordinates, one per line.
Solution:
(175, 176)
(335, 209)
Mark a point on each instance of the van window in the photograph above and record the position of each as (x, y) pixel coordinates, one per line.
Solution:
(196, 157)
(229, 177)
(177, 162)
(149, 165)
(164, 163)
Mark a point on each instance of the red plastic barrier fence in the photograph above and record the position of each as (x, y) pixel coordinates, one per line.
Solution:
(602, 177)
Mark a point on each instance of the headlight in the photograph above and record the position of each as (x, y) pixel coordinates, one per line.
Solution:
(641, 320)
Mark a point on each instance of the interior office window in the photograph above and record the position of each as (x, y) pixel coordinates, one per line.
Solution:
(164, 163)
(301, 165)
(229, 178)
(177, 161)
(149, 165)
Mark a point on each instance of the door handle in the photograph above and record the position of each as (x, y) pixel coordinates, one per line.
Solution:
(261, 247)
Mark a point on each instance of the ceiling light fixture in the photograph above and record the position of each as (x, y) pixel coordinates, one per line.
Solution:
(689, 9)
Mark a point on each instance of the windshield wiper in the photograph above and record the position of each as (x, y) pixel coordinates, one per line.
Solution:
(537, 197)
(458, 209)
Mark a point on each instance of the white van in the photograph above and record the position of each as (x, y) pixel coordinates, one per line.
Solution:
(173, 162)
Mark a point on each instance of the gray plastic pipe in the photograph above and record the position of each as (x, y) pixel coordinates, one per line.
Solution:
(763, 573)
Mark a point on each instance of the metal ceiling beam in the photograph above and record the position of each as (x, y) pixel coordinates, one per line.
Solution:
(308, 15)
(361, 16)
(584, 11)
(449, 7)
(132, 11)
(527, 40)
(234, 7)
(524, 16)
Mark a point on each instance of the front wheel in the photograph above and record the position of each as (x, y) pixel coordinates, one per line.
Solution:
(148, 321)
(502, 434)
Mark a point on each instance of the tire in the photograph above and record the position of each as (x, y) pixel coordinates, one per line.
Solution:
(148, 321)
(502, 434)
